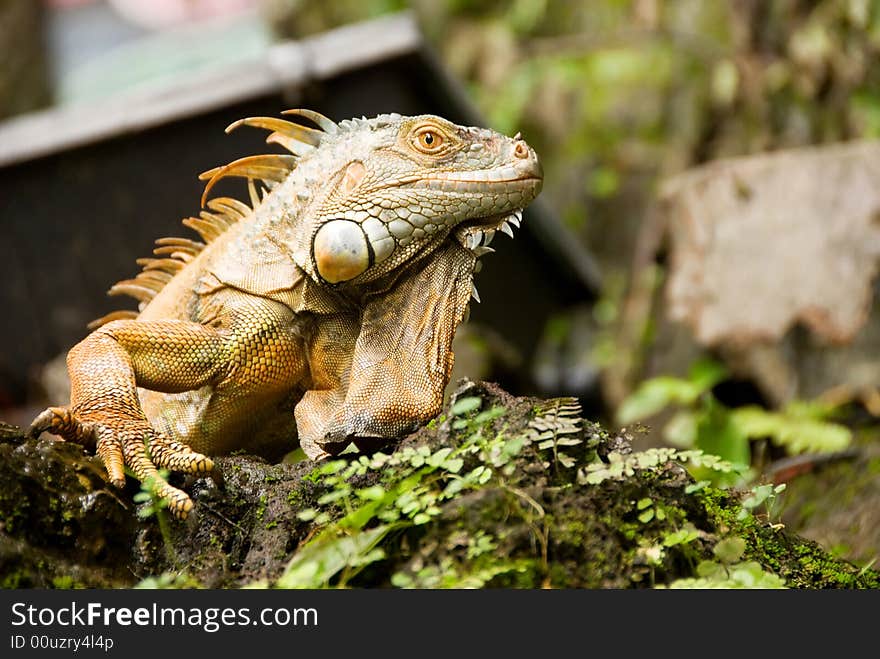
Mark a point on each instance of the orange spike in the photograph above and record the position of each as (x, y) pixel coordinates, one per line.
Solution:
(160, 277)
(327, 125)
(171, 245)
(269, 167)
(309, 136)
(110, 317)
(232, 208)
(166, 265)
(134, 289)
(218, 219)
(296, 147)
(253, 194)
(207, 230)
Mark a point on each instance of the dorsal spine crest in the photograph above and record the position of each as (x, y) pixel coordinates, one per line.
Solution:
(261, 171)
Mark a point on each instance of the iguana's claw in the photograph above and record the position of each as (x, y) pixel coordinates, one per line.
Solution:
(59, 421)
(121, 442)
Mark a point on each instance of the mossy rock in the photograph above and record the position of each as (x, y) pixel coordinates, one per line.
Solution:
(498, 491)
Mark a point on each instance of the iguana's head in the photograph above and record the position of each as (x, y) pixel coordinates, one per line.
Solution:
(402, 184)
(371, 194)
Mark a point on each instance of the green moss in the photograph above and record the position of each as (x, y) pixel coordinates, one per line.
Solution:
(64, 582)
(12, 580)
(262, 504)
(803, 564)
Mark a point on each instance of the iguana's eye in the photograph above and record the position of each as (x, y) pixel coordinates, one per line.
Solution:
(429, 140)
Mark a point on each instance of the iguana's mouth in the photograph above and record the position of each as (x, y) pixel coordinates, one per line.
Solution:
(478, 181)
(477, 233)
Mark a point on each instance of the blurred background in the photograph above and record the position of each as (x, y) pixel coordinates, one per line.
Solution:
(700, 270)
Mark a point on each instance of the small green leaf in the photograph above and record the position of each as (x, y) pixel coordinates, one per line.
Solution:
(758, 496)
(696, 487)
(453, 465)
(371, 493)
(453, 487)
(706, 373)
(465, 405)
(489, 415)
(333, 495)
(653, 395)
(566, 461)
(681, 537)
(711, 570)
(681, 429)
(646, 516)
(730, 550)
(436, 459)
(315, 563)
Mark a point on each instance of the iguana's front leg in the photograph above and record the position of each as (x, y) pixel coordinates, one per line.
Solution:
(330, 353)
(395, 375)
(107, 367)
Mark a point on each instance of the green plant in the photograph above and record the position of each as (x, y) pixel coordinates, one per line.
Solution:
(762, 495)
(155, 505)
(623, 465)
(368, 508)
(417, 481)
(701, 421)
(729, 571)
(414, 483)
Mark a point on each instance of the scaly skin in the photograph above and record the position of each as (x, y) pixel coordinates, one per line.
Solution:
(325, 313)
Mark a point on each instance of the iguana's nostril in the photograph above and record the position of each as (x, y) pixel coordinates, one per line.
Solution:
(521, 150)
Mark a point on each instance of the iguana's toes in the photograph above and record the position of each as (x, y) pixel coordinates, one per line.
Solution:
(121, 442)
(62, 422)
(110, 450)
(320, 451)
(173, 455)
(179, 502)
(134, 452)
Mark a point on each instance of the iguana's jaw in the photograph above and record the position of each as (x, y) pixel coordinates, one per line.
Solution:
(478, 231)
(509, 188)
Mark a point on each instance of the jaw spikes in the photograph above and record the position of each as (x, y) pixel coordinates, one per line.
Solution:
(477, 240)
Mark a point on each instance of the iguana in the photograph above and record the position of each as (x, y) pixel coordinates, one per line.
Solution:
(323, 311)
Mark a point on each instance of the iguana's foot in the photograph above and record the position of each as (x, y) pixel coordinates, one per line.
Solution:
(121, 441)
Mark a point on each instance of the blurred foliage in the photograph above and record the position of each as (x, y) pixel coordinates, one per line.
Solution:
(704, 423)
